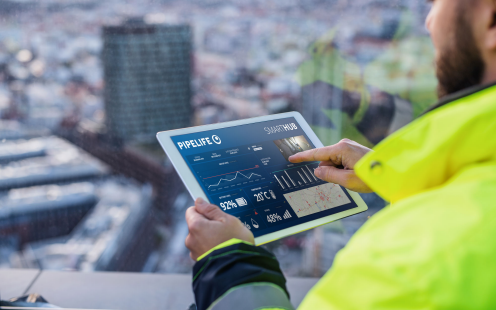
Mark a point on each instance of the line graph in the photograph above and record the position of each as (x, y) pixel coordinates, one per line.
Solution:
(235, 177)
(230, 173)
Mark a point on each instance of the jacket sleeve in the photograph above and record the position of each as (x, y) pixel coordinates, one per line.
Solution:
(237, 275)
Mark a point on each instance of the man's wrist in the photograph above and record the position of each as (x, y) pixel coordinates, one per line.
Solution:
(221, 246)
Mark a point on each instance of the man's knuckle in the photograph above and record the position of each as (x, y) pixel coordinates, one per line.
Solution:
(337, 148)
(343, 144)
(193, 225)
(188, 241)
(214, 212)
(189, 212)
(312, 154)
(212, 208)
(329, 174)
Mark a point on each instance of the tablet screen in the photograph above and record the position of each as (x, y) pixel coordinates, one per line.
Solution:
(245, 171)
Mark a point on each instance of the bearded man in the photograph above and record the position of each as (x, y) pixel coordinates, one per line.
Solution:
(433, 247)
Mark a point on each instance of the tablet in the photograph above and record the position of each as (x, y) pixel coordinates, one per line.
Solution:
(242, 166)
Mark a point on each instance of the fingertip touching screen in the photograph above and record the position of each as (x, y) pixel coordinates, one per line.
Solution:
(246, 172)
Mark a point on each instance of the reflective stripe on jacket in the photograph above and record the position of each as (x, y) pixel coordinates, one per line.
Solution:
(433, 248)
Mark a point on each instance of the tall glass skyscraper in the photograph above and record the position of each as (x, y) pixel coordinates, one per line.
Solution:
(147, 70)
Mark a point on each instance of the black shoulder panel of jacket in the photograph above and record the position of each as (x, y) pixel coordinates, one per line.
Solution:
(232, 266)
(458, 95)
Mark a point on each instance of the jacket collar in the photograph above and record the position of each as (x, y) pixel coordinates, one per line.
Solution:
(458, 95)
(459, 133)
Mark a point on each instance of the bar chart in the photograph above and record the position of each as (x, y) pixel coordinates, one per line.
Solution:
(296, 177)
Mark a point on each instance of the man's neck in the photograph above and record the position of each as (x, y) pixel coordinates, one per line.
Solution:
(490, 74)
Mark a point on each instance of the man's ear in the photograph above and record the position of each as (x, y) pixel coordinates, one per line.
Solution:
(494, 13)
(491, 32)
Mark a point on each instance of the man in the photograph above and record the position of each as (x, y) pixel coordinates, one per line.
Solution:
(434, 247)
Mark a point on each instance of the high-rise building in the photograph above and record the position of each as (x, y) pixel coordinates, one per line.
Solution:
(147, 70)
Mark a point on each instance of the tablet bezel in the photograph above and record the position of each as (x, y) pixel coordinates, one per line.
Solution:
(195, 190)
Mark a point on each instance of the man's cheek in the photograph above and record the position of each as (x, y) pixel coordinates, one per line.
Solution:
(437, 37)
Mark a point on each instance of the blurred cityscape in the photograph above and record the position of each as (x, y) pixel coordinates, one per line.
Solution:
(85, 85)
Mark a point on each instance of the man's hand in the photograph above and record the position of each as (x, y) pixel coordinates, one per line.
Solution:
(337, 163)
(209, 226)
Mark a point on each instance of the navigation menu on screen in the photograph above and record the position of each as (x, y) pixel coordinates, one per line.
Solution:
(246, 172)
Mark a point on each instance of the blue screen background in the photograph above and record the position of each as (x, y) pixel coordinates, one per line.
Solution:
(245, 171)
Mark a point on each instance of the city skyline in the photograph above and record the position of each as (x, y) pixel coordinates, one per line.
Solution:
(247, 58)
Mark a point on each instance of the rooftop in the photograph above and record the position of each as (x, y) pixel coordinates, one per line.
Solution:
(126, 291)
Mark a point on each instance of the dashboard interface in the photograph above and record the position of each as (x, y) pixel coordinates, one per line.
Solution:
(245, 171)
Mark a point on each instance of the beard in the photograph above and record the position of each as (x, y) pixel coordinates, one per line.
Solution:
(461, 65)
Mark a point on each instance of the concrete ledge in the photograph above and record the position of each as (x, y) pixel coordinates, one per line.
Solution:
(126, 291)
(14, 282)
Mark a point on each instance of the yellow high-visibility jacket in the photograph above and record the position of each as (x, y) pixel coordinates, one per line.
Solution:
(434, 247)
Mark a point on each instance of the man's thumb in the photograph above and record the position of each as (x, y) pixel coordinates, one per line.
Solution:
(210, 211)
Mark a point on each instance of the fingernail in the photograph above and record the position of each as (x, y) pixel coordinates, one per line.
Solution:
(318, 172)
(200, 201)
